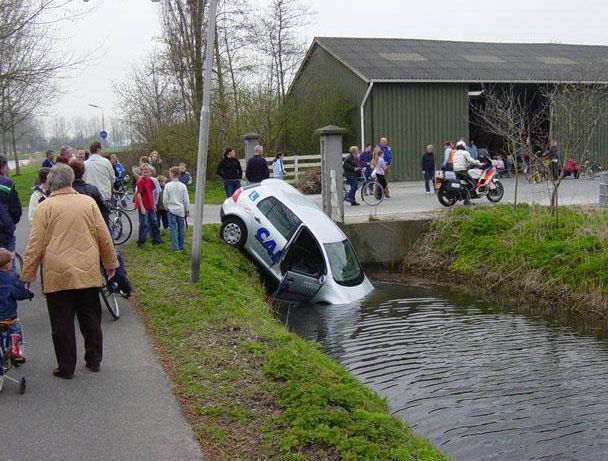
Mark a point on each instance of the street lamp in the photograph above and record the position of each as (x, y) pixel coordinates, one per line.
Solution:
(103, 122)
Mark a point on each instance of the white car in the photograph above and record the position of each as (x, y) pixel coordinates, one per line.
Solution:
(299, 245)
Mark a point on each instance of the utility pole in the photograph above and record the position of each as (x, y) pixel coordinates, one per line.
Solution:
(203, 147)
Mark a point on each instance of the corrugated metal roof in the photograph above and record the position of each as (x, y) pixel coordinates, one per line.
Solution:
(435, 60)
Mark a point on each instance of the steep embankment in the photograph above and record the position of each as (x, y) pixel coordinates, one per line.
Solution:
(250, 388)
(525, 253)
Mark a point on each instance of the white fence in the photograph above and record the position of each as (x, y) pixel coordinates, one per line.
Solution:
(295, 165)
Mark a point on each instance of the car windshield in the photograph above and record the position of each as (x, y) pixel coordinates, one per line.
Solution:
(344, 264)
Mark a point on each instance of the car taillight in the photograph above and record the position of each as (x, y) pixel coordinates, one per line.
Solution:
(235, 196)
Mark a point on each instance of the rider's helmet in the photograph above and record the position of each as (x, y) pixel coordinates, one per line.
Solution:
(461, 145)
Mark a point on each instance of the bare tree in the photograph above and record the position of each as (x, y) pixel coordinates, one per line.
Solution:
(150, 101)
(514, 114)
(577, 113)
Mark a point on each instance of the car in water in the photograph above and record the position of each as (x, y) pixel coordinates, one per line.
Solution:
(295, 242)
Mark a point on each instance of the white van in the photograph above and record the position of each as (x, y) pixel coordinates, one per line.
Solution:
(298, 244)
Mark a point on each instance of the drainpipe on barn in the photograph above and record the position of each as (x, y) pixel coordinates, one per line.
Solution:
(367, 93)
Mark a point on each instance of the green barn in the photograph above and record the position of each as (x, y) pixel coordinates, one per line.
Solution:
(419, 92)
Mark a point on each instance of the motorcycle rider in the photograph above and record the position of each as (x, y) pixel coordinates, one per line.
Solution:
(462, 163)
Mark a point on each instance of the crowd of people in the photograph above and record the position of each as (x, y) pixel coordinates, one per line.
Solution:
(70, 240)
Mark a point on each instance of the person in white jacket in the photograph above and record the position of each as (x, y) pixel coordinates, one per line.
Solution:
(462, 163)
(177, 203)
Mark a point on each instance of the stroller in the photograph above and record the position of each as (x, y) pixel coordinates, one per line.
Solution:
(6, 363)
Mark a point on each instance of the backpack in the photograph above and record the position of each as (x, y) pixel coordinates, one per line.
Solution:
(449, 165)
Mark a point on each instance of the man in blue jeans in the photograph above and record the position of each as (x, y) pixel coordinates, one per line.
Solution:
(146, 208)
(10, 209)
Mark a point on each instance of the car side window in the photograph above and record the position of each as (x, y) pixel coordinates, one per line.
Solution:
(281, 217)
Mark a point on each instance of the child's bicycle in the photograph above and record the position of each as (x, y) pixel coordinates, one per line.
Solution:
(6, 363)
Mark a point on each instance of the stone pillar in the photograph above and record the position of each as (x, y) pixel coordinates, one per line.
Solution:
(251, 140)
(331, 161)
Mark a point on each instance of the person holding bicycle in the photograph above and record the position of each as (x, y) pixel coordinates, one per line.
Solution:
(69, 238)
(352, 172)
(365, 159)
(119, 171)
(85, 188)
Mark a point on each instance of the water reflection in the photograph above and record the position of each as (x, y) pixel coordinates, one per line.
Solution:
(479, 382)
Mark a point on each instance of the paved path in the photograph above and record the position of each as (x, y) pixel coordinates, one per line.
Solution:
(409, 200)
(124, 413)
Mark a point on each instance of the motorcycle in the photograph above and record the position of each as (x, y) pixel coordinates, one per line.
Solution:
(451, 190)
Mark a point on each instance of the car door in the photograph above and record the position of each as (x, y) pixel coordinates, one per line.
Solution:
(297, 285)
(273, 224)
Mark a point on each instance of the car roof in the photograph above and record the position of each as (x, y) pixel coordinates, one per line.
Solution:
(321, 225)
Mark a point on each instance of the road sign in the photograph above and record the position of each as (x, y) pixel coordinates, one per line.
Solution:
(103, 134)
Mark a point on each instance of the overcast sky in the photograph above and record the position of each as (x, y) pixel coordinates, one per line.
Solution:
(122, 32)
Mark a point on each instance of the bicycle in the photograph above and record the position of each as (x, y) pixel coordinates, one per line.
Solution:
(371, 192)
(109, 292)
(6, 363)
(123, 198)
(535, 173)
(590, 170)
(121, 226)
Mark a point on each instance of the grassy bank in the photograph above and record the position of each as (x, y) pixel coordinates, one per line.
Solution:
(251, 389)
(524, 253)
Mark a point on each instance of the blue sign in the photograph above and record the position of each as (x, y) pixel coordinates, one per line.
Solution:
(103, 134)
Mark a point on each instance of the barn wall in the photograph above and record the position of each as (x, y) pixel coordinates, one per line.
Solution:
(413, 115)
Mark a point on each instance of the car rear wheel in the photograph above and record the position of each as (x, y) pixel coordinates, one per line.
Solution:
(233, 232)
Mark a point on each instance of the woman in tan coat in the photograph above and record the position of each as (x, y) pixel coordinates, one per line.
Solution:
(69, 238)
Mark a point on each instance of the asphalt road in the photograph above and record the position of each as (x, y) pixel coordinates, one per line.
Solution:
(125, 412)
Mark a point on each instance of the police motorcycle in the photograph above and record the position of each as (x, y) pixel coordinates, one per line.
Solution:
(481, 183)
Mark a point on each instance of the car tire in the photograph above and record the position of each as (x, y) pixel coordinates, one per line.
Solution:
(233, 232)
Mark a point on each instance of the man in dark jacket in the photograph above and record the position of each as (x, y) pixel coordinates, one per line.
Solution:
(257, 168)
(84, 188)
(10, 208)
(352, 170)
(49, 160)
(230, 171)
(428, 167)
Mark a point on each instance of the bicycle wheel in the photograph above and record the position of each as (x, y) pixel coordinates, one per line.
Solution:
(372, 193)
(110, 300)
(121, 226)
(125, 201)
(18, 264)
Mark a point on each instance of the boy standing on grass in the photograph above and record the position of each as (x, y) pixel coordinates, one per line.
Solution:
(176, 202)
(184, 177)
(146, 209)
(161, 211)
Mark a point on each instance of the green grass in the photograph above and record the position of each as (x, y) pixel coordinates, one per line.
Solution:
(25, 182)
(214, 192)
(526, 249)
(251, 389)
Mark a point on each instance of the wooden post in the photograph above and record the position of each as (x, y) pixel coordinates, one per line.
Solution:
(296, 167)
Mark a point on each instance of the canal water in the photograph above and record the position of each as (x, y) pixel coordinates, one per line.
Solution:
(482, 383)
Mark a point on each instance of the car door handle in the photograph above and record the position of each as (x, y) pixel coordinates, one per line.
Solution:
(257, 220)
